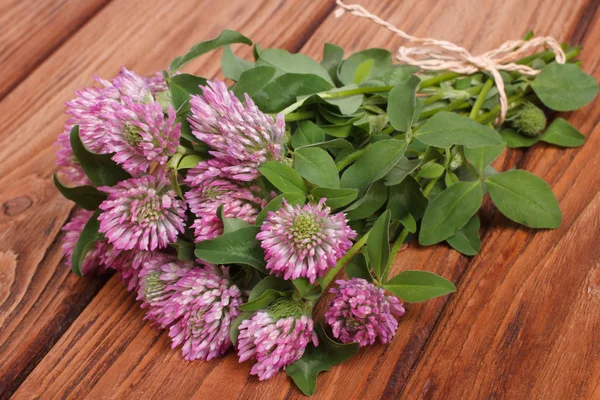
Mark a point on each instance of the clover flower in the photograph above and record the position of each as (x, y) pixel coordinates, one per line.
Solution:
(360, 312)
(140, 134)
(275, 337)
(127, 263)
(242, 135)
(129, 84)
(141, 213)
(92, 261)
(207, 302)
(208, 193)
(304, 241)
(156, 278)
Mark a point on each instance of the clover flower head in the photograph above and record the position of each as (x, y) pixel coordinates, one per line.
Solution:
(304, 241)
(275, 337)
(140, 134)
(206, 302)
(361, 312)
(141, 213)
(241, 134)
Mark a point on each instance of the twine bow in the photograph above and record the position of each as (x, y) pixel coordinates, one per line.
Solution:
(432, 54)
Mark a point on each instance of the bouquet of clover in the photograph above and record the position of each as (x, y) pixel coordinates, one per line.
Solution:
(230, 211)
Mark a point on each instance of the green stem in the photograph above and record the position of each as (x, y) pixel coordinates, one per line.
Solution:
(429, 186)
(349, 159)
(395, 249)
(481, 98)
(438, 79)
(344, 260)
(353, 92)
(454, 105)
(299, 116)
(513, 101)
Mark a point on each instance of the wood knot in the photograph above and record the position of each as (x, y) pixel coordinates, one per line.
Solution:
(593, 288)
(17, 205)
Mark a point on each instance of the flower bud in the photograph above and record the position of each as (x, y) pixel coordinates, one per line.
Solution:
(530, 120)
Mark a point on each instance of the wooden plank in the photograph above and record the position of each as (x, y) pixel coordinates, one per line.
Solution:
(101, 358)
(38, 296)
(34, 29)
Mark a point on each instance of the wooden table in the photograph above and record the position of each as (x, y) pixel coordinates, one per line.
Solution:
(524, 324)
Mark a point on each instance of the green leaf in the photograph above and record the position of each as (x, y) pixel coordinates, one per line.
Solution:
(564, 87)
(337, 143)
(431, 171)
(377, 160)
(332, 57)
(446, 129)
(86, 197)
(481, 157)
(525, 198)
(189, 161)
(253, 81)
(262, 301)
(401, 170)
(316, 166)
(362, 71)
(450, 211)
(562, 133)
(382, 62)
(286, 63)
(99, 168)
(374, 198)
(185, 249)
(402, 104)
(284, 90)
(407, 199)
(378, 244)
(336, 198)
(87, 239)
(338, 131)
(269, 282)
(234, 331)
(306, 134)
(357, 268)
(182, 86)
(226, 37)
(238, 247)
(347, 105)
(283, 177)
(230, 224)
(305, 371)
(515, 140)
(398, 73)
(293, 198)
(467, 240)
(418, 286)
(233, 66)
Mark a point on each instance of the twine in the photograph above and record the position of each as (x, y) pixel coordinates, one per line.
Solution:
(438, 55)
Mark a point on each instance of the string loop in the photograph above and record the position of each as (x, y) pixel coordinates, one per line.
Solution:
(441, 55)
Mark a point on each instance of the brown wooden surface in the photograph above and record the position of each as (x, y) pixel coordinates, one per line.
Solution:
(525, 320)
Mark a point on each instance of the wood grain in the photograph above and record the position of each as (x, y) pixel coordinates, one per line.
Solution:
(38, 297)
(30, 30)
(510, 293)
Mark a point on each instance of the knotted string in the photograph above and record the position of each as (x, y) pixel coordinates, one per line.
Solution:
(438, 55)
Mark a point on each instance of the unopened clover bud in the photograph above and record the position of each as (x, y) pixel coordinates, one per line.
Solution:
(455, 160)
(530, 120)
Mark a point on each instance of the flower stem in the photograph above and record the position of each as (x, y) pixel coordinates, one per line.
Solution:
(481, 98)
(349, 159)
(344, 260)
(438, 79)
(395, 249)
(299, 116)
